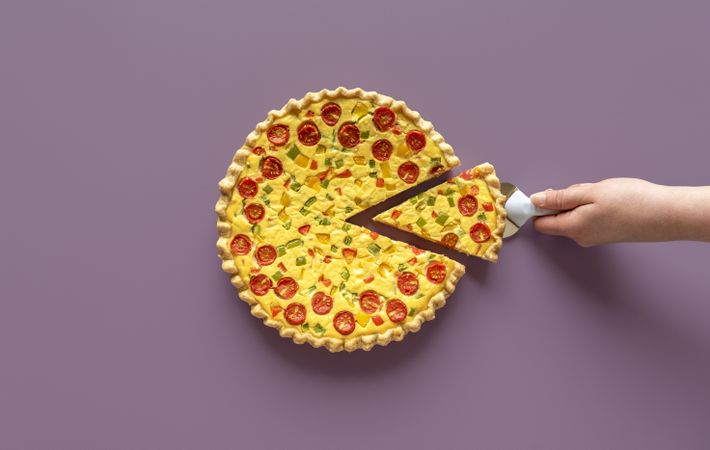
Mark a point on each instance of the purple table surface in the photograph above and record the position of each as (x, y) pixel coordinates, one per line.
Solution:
(118, 329)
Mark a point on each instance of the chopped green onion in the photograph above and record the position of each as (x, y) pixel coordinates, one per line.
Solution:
(413, 200)
(319, 329)
(303, 211)
(421, 222)
(277, 276)
(430, 200)
(301, 261)
(435, 161)
(374, 248)
(348, 240)
(364, 134)
(287, 225)
(310, 201)
(345, 275)
(373, 174)
(402, 267)
(451, 201)
(342, 286)
(333, 248)
(324, 221)
(339, 163)
(281, 249)
(411, 312)
(305, 326)
(481, 216)
(348, 209)
(294, 243)
(256, 228)
(328, 162)
(325, 183)
(449, 191)
(268, 189)
(346, 226)
(296, 186)
(372, 163)
(442, 218)
(329, 197)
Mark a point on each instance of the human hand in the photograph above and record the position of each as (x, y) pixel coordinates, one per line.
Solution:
(625, 210)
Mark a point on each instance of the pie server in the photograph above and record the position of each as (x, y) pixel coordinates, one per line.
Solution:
(519, 208)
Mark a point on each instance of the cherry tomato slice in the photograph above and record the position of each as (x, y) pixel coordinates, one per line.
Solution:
(450, 240)
(286, 288)
(436, 272)
(278, 135)
(437, 169)
(321, 303)
(382, 150)
(308, 134)
(265, 255)
(349, 254)
(248, 188)
(258, 150)
(369, 302)
(469, 174)
(480, 232)
(254, 212)
(295, 313)
(396, 310)
(468, 205)
(416, 140)
(407, 283)
(260, 284)
(384, 118)
(330, 113)
(304, 229)
(344, 322)
(349, 135)
(408, 172)
(271, 167)
(240, 245)
(488, 206)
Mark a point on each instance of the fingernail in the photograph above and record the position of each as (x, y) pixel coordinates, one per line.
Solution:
(538, 199)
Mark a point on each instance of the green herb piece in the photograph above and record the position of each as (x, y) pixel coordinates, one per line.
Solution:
(277, 276)
(430, 200)
(268, 189)
(421, 222)
(287, 225)
(402, 267)
(451, 201)
(420, 206)
(373, 174)
(346, 226)
(296, 186)
(305, 327)
(294, 243)
(301, 261)
(256, 228)
(329, 197)
(339, 163)
(345, 274)
(325, 183)
(319, 329)
(328, 162)
(412, 311)
(374, 249)
(303, 211)
(449, 191)
(333, 248)
(348, 209)
(342, 286)
(293, 152)
(481, 217)
(372, 163)
(348, 240)
(435, 161)
(324, 221)
(281, 249)
(310, 201)
(364, 134)
(413, 200)
(442, 218)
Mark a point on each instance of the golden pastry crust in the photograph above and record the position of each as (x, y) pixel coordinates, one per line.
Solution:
(227, 188)
(493, 183)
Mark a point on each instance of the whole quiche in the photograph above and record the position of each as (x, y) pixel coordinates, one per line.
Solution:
(284, 237)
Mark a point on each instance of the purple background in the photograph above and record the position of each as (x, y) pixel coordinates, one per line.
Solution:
(118, 329)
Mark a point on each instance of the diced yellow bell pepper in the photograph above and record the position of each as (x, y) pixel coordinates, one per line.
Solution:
(360, 110)
(301, 160)
(403, 150)
(384, 269)
(362, 319)
(283, 216)
(323, 238)
(360, 160)
(313, 182)
(285, 199)
(385, 167)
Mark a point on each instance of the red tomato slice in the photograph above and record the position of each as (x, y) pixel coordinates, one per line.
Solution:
(344, 322)
(295, 313)
(260, 284)
(240, 245)
(278, 135)
(408, 172)
(248, 188)
(436, 272)
(344, 174)
(271, 167)
(330, 113)
(407, 283)
(304, 229)
(450, 240)
(377, 320)
(369, 302)
(286, 288)
(314, 164)
(308, 134)
(469, 174)
(254, 212)
(382, 150)
(265, 255)
(396, 310)
(416, 140)
(436, 169)
(380, 183)
(384, 118)
(396, 213)
(349, 135)
(468, 205)
(258, 150)
(321, 303)
(275, 310)
(488, 206)
(480, 232)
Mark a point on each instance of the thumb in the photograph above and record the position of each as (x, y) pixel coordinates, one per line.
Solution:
(562, 199)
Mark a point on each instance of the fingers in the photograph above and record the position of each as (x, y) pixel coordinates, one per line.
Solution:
(557, 225)
(563, 199)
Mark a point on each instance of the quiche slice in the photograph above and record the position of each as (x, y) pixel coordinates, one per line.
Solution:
(283, 234)
(465, 213)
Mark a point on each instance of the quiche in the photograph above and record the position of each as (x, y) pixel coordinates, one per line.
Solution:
(465, 213)
(284, 237)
